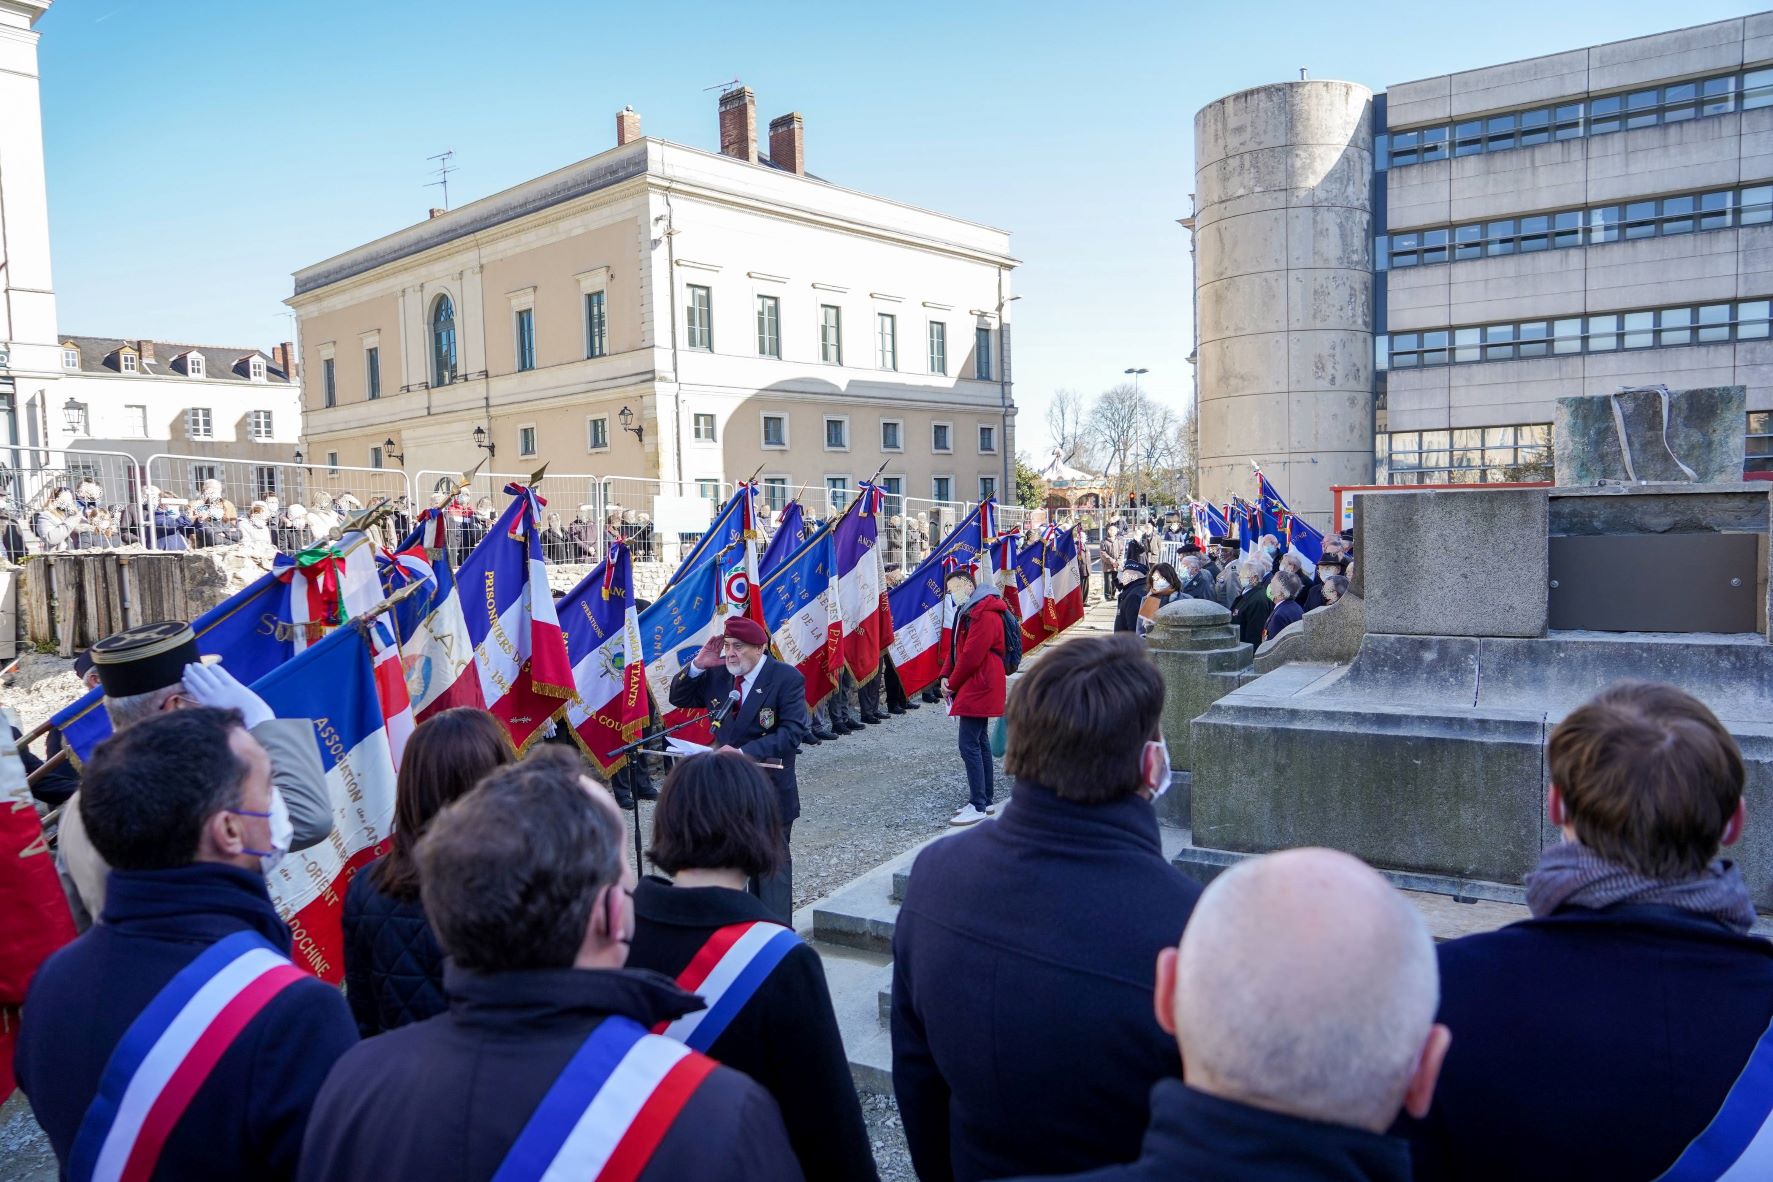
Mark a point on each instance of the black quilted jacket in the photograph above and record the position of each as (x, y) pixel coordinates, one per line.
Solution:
(393, 966)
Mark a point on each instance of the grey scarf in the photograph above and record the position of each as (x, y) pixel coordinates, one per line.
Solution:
(1571, 874)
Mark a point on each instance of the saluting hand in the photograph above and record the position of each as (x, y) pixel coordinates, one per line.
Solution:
(709, 656)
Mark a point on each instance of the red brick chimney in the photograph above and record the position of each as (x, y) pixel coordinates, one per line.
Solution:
(788, 143)
(627, 126)
(283, 357)
(738, 124)
(146, 349)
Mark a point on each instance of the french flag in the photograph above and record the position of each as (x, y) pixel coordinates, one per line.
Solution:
(800, 611)
(679, 623)
(603, 643)
(1064, 587)
(496, 642)
(1209, 523)
(920, 609)
(1031, 593)
(242, 628)
(363, 592)
(333, 683)
(1302, 540)
(861, 584)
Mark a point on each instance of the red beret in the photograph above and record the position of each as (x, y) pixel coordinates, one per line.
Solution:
(745, 630)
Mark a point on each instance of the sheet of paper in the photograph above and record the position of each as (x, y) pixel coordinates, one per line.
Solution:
(677, 746)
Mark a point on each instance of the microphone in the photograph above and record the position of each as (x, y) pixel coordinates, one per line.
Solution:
(726, 708)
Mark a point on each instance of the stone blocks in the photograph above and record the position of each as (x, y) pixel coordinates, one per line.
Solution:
(1416, 570)
(1706, 429)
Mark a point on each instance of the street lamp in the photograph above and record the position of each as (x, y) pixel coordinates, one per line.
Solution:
(1136, 375)
(298, 457)
(480, 442)
(74, 415)
(389, 452)
(627, 419)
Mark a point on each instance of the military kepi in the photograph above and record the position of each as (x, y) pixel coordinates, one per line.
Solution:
(144, 658)
(745, 630)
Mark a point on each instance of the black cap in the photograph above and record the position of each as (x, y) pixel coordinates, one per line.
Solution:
(1347, 535)
(83, 662)
(1220, 540)
(145, 658)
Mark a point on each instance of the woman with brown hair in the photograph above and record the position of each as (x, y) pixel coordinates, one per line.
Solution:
(393, 965)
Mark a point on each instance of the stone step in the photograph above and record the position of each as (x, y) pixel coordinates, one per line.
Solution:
(858, 980)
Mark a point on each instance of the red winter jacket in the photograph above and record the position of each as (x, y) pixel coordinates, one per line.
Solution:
(974, 668)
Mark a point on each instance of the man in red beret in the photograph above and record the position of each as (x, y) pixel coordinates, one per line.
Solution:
(760, 709)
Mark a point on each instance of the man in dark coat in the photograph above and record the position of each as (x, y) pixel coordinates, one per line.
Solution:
(182, 807)
(1327, 566)
(1283, 593)
(1133, 586)
(1303, 995)
(766, 721)
(1023, 1034)
(1600, 1038)
(1249, 611)
(526, 885)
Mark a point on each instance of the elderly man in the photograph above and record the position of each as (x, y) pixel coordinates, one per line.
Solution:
(1283, 593)
(176, 1039)
(545, 1064)
(759, 708)
(1249, 611)
(153, 668)
(1195, 582)
(1303, 1000)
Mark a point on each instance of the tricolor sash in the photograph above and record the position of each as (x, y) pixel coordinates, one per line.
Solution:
(727, 972)
(610, 1108)
(169, 1051)
(1737, 1145)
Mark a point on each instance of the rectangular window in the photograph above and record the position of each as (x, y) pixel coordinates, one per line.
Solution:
(597, 433)
(699, 313)
(775, 493)
(332, 463)
(1751, 320)
(886, 340)
(1468, 138)
(708, 490)
(982, 354)
(199, 423)
(202, 473)
(126, 361)
(1637, 330)
(526, 441)
(264, 481)
(892, 435)
(70, 359)
(596, 325)
(704, 428)
(1567, 335)
(526, 338)
(837, 434)
(894, 488)
(1567, 121)
(375, 456)
(1714, 323)
(831, 334)
(372, 371)
(1757, 205)
(941, 487)
(259, 424)
(1603, 334)
(1757, 89)
(987, 487)
(938, 347)
(329, 381)
(941, 437)
(987, 440)
(1675, 326)
(837, 492)
(1604, 115)
(769, 327)
(135, 421)
(775, 430)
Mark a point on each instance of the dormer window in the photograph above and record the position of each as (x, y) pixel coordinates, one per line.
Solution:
(126, 362)
(194, 365)
(70, 357)
(257, 369)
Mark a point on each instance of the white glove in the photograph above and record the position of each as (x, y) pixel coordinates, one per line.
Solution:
(212, 685)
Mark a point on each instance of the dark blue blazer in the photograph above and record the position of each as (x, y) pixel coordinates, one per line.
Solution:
(1589, 1044)
(1024, 959)
(247, 1119)
(769, 724)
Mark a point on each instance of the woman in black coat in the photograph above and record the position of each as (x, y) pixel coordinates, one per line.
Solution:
(393, 965)
(1250, 610)
(715, 827)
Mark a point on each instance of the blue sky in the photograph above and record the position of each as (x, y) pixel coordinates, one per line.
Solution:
(200, 151)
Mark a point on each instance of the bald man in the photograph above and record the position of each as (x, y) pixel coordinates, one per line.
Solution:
(1303, 999)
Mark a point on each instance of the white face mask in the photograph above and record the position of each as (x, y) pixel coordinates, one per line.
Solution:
(1164, 775)
(1160, 585)
(282, 832)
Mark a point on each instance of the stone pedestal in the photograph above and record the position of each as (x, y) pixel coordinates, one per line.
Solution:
(1195, 647)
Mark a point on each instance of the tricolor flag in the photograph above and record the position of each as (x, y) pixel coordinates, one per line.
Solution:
(1209, 523)
(1031, 593)
(243, 629)
(1301, 540)
(603, 642)
(786, 541)
(333, 683)
(677, 624)
(919, 605)
(800, 611)
(1064, 590)
(363, 592)
(861, 584)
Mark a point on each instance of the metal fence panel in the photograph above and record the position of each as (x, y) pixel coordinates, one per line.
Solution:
(311, 498)
(105, 485)
(659, 519)
(569, 522)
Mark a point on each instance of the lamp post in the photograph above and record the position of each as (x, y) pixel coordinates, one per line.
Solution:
(1137, 373)
(480, 441)
(626, 418)
(74, 416)
(388, 452)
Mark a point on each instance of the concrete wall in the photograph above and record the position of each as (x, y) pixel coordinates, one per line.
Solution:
(1285, 290)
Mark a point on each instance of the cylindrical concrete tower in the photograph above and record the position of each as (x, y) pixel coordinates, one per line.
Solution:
(1284, 291)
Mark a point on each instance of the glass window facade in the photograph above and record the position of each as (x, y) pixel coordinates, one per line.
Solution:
(831, 334)
(1473, 455)
(769, 326)
(699, 317)
(938, 347)
(596, 324)
(526, 338)
(1701, 324)
(887, 340)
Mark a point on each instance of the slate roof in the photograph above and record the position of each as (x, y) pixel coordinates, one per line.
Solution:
(219, 361)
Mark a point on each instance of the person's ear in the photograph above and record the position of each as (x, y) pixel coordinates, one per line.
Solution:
(1420, 1093)
(1733, 827)
(1554, 807)
(223, 834)
(1163, 997)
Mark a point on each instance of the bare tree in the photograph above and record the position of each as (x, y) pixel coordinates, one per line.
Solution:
(1066, 414)
(1113, 430)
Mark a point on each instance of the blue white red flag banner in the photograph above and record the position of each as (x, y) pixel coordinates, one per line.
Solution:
(920, 609)
(168, 1052)
(606, 1113)
(496, 642)
(800, 610)
(1301, 540)
(242, 629)
(603, 642)
(333, 684)
(861, 584)
(1209, 523)
(363, 593)
(1030, 571)
(726, 973)
(1064, 591)
(736, 521)
(672, 630)
(785, 541)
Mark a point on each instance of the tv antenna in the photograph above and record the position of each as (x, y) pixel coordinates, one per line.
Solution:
(445, 166)
(727, 85)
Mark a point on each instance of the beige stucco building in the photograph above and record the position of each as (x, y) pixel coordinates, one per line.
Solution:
(748, 316)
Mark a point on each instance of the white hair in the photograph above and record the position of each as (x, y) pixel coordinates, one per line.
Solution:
(1306, 985)
(1252, 569)
(126, 711)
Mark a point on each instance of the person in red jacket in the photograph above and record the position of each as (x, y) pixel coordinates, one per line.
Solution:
(973, 683)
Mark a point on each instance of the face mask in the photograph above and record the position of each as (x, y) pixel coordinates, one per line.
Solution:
(1271, 551)
(1164, 775)
(1160, 585)
(282, 831)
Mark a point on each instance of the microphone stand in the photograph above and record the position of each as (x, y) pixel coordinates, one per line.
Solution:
(714, 717)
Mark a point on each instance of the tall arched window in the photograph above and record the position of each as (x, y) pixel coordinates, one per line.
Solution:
(443, 341)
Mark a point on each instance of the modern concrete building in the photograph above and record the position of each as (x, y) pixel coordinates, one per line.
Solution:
(662, 313)
(1567, 224)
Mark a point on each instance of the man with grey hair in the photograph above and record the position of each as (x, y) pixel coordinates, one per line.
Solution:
(1195, 583)
(1303, 999)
